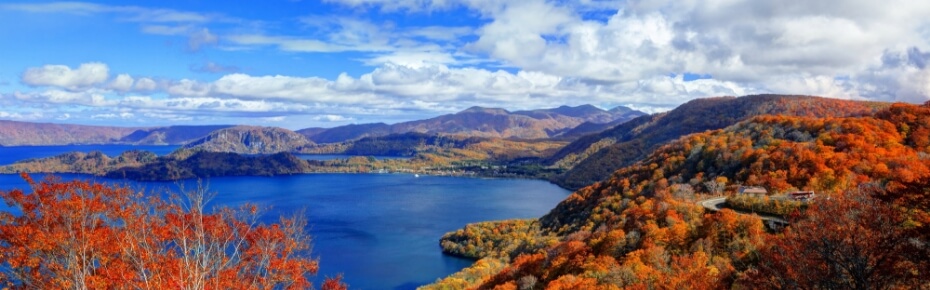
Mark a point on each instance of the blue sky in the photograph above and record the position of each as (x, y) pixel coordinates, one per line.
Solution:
(299, 64)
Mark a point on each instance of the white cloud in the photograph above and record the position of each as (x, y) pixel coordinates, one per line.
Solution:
(145, 84)
(412, 59)
(111, 116)
(521, 54)
(122, 83)
(86, 75)
(806, 47)
(21, 116)
(130, 13)
(275, 119)
(332, 118)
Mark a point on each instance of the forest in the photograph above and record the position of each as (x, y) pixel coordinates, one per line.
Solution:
(643, 229)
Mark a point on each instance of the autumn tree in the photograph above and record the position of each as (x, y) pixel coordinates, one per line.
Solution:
(84, 235)
(850, 241)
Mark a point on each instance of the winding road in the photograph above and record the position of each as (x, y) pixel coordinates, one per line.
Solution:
(717, 203)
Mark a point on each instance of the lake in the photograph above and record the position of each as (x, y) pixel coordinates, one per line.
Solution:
(380, 230)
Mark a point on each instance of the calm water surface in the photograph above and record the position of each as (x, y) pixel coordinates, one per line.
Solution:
(380, 230)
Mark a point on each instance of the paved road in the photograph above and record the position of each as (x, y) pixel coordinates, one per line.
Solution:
(716, 204)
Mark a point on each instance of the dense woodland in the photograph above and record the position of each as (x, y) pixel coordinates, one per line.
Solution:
(642, 228)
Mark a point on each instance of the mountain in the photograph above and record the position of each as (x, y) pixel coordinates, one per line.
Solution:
(643, 228)
(170, 135)
(484, 122)
(251, 140)
(345, 133)
(13, 133)
(593, 158)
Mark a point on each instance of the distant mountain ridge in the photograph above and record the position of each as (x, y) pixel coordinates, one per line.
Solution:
(14, 133)
(472, 122)
(484, 122)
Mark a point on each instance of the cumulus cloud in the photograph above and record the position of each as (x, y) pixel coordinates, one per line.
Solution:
(86, 75)
(145, 84)
(122, 83)
(794, 46)
(523, 54)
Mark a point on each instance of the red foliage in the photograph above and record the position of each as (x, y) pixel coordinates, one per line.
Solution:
(79, 234)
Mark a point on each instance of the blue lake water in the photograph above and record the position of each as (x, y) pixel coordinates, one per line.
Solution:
(10, 155)
(380, 230)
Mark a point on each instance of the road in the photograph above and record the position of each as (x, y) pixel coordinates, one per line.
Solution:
(717, 203)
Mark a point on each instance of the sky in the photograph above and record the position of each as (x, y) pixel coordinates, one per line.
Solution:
(299, 64)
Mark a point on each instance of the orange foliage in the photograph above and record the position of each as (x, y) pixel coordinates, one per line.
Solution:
(852, 241)
(641, 229)
(79, 234)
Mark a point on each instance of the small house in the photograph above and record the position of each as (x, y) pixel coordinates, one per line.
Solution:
(752, 190)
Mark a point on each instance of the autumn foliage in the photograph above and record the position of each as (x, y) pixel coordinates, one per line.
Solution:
(643, 229)
(84, 235)
(851, 241)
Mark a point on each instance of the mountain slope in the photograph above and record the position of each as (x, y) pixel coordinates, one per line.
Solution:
(483, 122)
(642, 229)
(251, 140)
(592, 158)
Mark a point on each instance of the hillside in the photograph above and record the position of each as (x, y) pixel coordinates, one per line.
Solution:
(642, 228)
(483, 122)
(94, 162)
(594, 157)
(250, 140)
(213, 164)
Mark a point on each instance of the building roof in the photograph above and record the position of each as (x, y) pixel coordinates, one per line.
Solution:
(751, 190)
